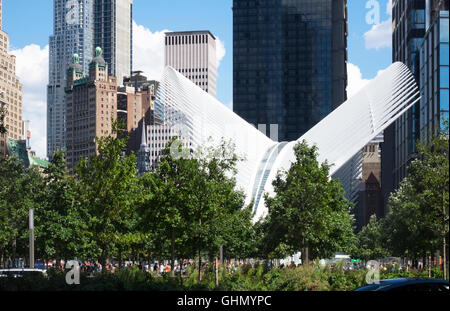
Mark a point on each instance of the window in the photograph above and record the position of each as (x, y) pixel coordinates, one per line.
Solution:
(444, 99)
(444, 30)
(444, 54)
(444, 77)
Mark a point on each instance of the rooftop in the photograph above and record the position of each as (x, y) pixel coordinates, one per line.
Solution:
(187, 33)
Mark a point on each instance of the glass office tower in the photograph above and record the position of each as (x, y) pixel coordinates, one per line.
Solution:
(73, 33)
(420, 40)
(289, 62)
(434, 74)
(113, 32)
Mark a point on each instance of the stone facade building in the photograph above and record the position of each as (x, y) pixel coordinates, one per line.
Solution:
(135, 104)
(10, 93)
(91, 107)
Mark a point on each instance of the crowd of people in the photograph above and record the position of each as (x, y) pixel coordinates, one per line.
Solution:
(230, 266)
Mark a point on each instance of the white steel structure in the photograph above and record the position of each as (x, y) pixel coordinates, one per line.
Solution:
(339, 136)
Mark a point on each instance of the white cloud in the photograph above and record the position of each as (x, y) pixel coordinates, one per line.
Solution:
(356, 80)
(220, 51)
(32, 70)
(380, 35)
(148, 51)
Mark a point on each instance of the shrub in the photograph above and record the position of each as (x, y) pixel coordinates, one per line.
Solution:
(304, 278)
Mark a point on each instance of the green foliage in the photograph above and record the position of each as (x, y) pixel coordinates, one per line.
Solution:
(61, 227)
(190, 204)
(372, 241)
(417, 218)
(2, 118)
(19, 189)
(303, 278)
(108, 191)
(308, 211)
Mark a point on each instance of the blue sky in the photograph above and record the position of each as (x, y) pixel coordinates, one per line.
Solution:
(30, 23)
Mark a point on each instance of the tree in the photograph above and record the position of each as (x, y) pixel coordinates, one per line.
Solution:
(169, 205)
(372, 241)
(418, 217)
(108, 191)
(18, 194)
(236, 234)
(61, 229)
(429, 175)
(309, 211)
(404, 228)
(218, 201)
(192, 206)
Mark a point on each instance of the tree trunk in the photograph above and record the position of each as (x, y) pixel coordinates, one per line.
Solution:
(200, 255)
(120, 257)
(181, 273)
(429, 266)
(103, 260)
(444, 246)
(14, 245)
(172, 251)
(217, 272)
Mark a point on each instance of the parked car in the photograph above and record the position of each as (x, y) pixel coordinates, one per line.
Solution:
(18, 272)
(408, 285)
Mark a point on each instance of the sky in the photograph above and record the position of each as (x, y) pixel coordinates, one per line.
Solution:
(29, 24)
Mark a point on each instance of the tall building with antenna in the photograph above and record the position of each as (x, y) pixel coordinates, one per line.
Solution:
(73, 33)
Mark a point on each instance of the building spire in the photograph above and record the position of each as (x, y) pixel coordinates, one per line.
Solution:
(143, 137)
(144, 152)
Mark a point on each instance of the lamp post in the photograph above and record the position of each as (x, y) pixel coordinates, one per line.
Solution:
(31, 227)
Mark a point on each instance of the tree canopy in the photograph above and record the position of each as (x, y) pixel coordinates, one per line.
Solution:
(309, 210)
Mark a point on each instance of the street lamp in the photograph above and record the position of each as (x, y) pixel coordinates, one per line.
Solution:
(31, 227)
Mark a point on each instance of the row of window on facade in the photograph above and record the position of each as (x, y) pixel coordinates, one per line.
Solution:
(188, 39)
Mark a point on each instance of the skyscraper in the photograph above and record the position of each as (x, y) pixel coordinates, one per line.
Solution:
(73, 33)
(113, 32)
(79, 26)
(434, 70)
(420, 40)
(289, 62)
(193, 54)
(91, 107)
(10, 93)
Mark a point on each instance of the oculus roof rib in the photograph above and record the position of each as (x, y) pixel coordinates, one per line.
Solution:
(339, 137)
